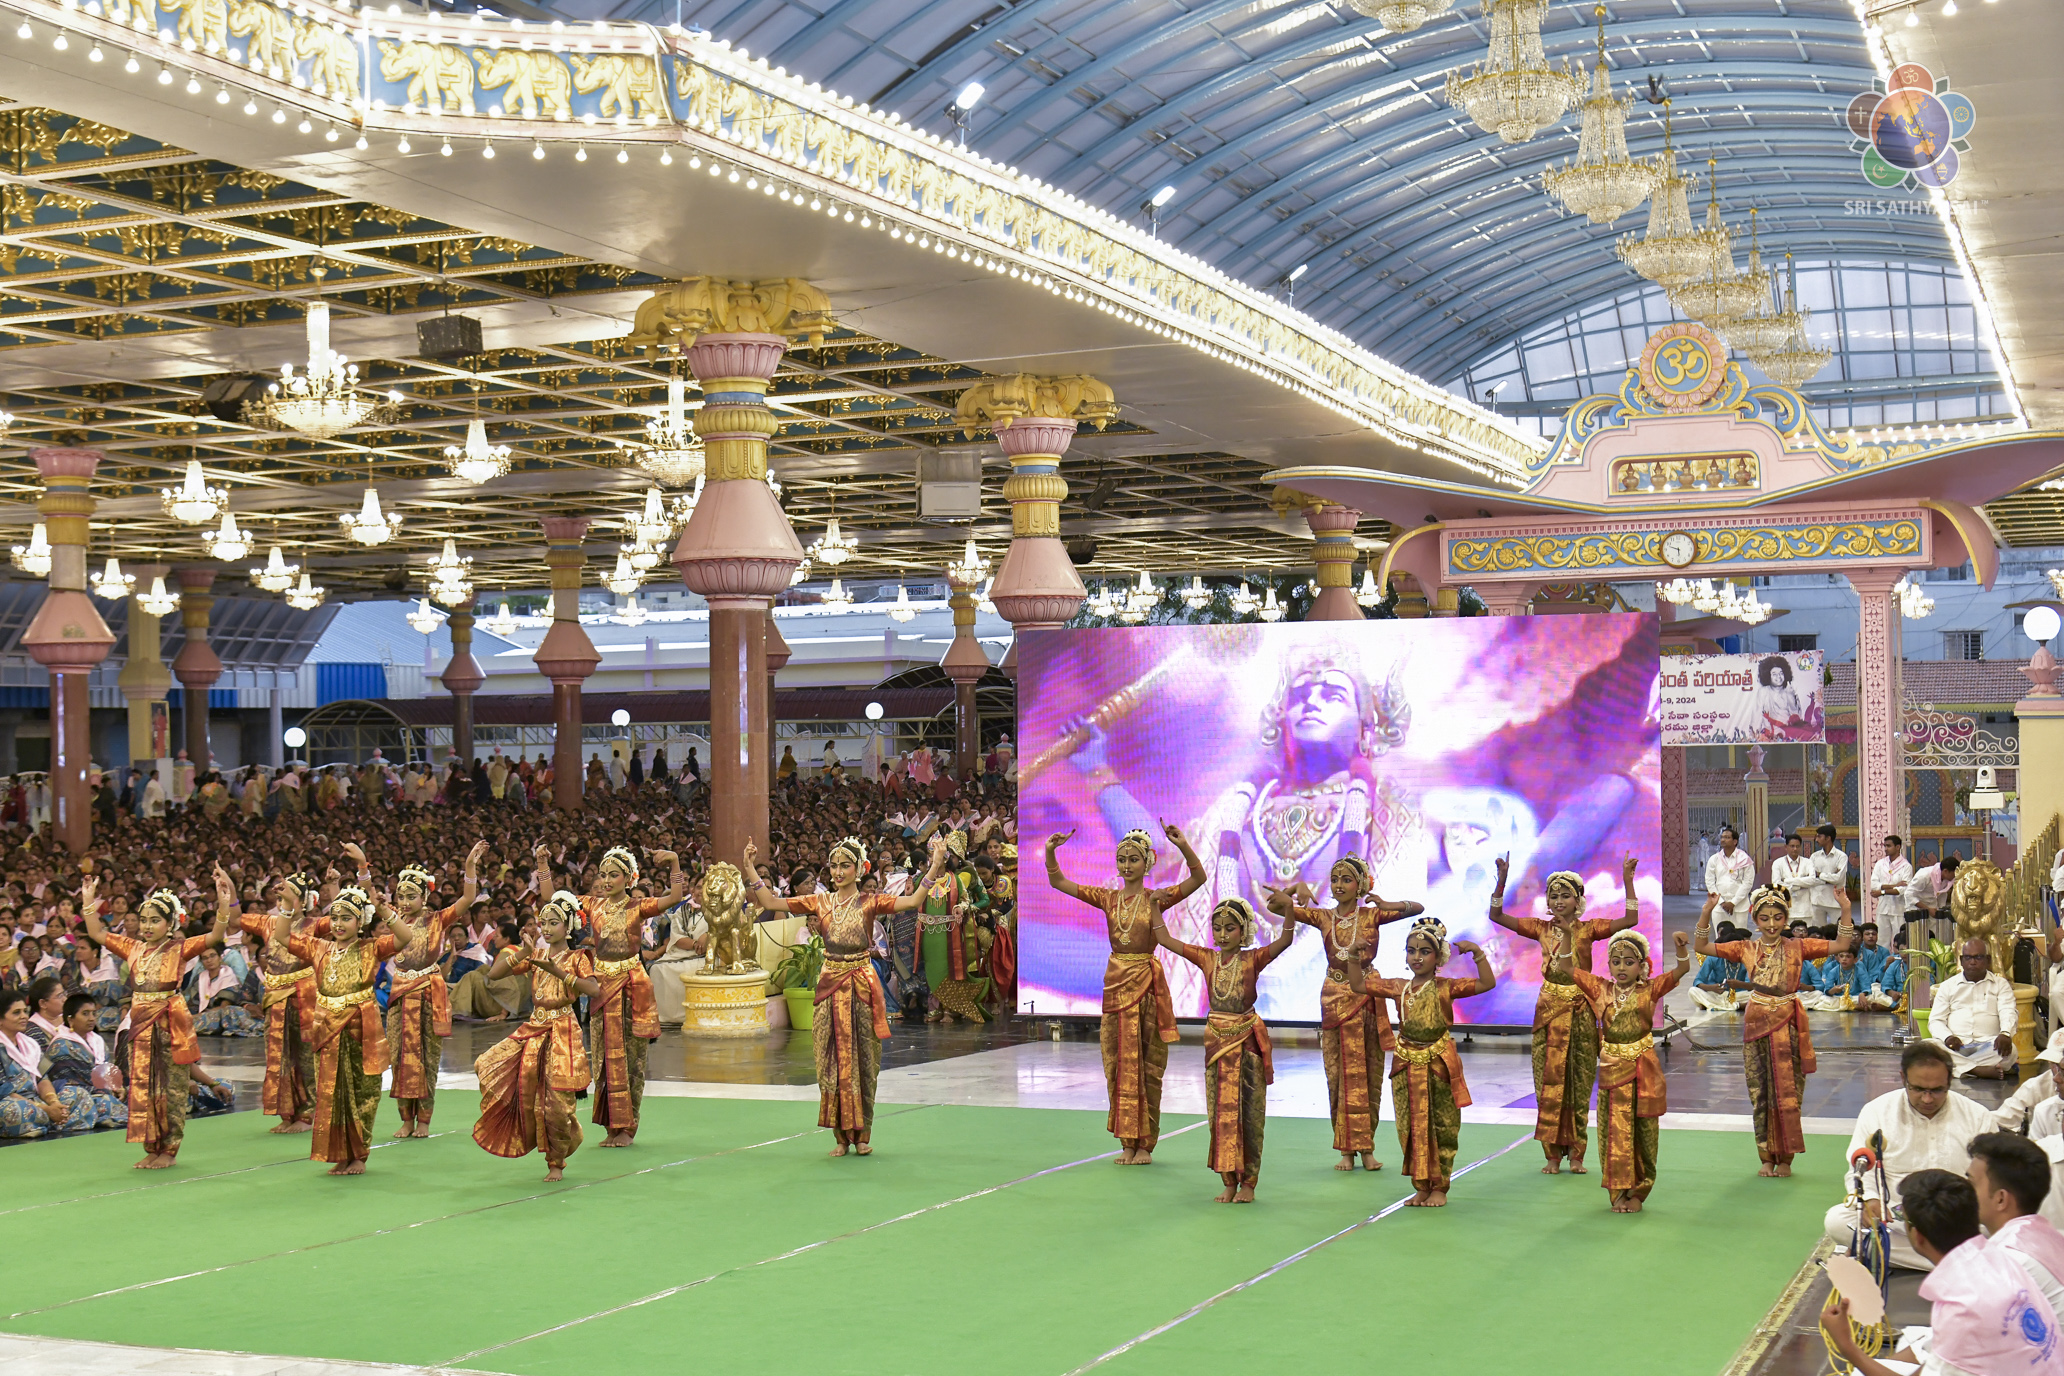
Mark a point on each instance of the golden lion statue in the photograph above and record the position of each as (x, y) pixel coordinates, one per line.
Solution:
(733, 937)
(1978, 902)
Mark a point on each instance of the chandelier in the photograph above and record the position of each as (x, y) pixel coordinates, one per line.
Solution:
(1723, 295)
(623, 580)
(1368, 594)
(1677, 591)
(369, 527)
(501, 623)
(652, 524)
(1102, 603)
(836, 595)
(305, 597)
(630, 614)
(1760, 330)
(1724, 600)
(277, 575)
(1797, 361)
(1402, 16)
(426, 618)
(971, 569)
(227, 543)
(1270, 611)
(1196, 596)
(479, 461)
(1145, 597)
(1672, 250)
(157, 602)
(644, 558)
(193, 502)
(1603, 182)
(902, 612)
(326, 400)
(1515, 91)
(113, 583)
(451, 582)
(832, 548)
(672, 451)
(34, 558)
(982, 602)
(1913, 603)
(1244, 602)
(801, 574)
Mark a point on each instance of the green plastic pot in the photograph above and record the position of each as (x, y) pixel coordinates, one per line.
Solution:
(801, 1004)
(1920, 1017)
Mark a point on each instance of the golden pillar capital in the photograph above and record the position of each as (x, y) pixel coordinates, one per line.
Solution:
(997, 403)
(678, 314)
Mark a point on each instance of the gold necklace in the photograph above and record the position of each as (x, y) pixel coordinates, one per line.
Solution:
(1236, 967)
(1354, 934)
(1125, 913)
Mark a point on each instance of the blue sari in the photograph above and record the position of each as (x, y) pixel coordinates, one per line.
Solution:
(71, 1068)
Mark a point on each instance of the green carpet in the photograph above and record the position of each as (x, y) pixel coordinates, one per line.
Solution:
(727, 1241)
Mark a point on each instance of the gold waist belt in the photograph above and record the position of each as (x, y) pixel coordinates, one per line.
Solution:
(545, 1015)
(1566, 993)
(286, 981)
(1626, 1051)
(351, 1000)
(841, 964)
(1771, 1000)
(937, 919)
(1417, 1053)
(1131, 957)
(154, 996)
(610, 969)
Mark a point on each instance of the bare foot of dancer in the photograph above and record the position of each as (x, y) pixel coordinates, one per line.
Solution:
(405, 1130)
(303, 1125)
(1346, 1162)
(1225, 1196)
(341, 1168)
(1437, 1200)
(157, 1161)
(1370, 1163)
(1245, 1195)
(1576, 1166)
(284, 1125)
(1782, 1170)
(1143, 1158)
(422, 1128)
(865, 1148)
(1633, 1205)
(355, 1168)
(556, 1173)
(839, 1150)
(1419, 1200)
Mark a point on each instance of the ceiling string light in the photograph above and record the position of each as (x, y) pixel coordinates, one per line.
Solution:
(833, 548)
(305, 597)
(1603, 182)
(623, 580)
(836, 595)
(902, 612)
(971, 569)
(1244, 602)
(326, 400)
(426, 618)
(1196, 596)
(1270, 610)
(113, 584)
(1369, 595)
(1515, 91)
(477, 461)
(501, 623)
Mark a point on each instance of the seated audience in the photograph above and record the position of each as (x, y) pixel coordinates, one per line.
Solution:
(1926, 1125)
(2012, 1177)
(1974, 1015)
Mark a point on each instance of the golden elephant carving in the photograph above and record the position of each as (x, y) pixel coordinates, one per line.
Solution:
(540, 85)
(335, 69)
(629, 83)
(437, 69)
(994, 402)
(677, 313)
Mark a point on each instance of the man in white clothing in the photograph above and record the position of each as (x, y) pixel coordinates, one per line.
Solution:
(1795, 873)
(1974, 1015)
(1831, 875)
(1730, 879)
(1926, 1125)
(2012, 1177)
(1889, 878)
(153, 797)
(1929, 890)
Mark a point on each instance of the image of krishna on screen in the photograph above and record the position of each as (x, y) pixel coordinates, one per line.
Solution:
(1428, 748)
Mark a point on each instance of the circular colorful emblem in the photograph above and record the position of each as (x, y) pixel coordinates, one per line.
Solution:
(1683, 366)
(1911, 133)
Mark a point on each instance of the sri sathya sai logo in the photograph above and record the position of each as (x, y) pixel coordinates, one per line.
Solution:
(1911, 130)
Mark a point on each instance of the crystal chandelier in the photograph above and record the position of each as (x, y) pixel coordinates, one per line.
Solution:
(227, 543)
(982, 602)
(1603, 182)
(1677, 591)
(1402, 16)
(1145, 597)
(369, 527)
(157, 602)
(193, 502)
(326, 400)
(652, 524)
(425, 618)
(478, 462)
(277, 575)
(801, 574)
(1672, 250)
(1244, 602)
(902, 612)
(831, 548)
(672, 451)
(305, 597)
(451, 581)
(971, 569)
(836, 595)
(630, 614)
(644, 558)
(1368, 594)
(1515, 91)
(1759, 330)
(113, 583)
(1723, 295)
(1798, 361)
(1196, 596)
(1913, 603)
(1270, 611)
(501, 623)
(623, 580)
(34, 558)
(1101, 603)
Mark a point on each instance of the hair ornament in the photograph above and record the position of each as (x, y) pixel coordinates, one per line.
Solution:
(622, 859)
(167, 905)
(1435, 931)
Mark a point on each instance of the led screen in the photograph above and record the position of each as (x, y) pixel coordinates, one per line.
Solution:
(1428, 747)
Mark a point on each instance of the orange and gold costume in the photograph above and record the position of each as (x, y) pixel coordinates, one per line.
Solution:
(1239, 1064)
(1426, 1084)
(350, 1045)
(851, 1013)
(1138, 1013)
(528, 1080)
(289, 1090)
(419, 1015)
(623, 1019)
(1632, 1094)
(1777, 1053)
(161, 1038)
(1354, 1031)
(1565, 1037)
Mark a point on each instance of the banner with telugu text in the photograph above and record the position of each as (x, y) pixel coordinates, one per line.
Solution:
(1743, 699)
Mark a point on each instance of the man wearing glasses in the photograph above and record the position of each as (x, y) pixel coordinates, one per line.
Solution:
(1927, 1125)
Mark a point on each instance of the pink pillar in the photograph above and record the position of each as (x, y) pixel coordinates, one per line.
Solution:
(777, 659)
(1879, 693)
(196, 666)
(565, 656)
(68, 638)
(1333, 529)
(1676, 823)
(1037, 585)
(462, 679)
(1505, 599)
(737, 552)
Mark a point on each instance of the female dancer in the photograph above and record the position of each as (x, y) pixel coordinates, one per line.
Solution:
(941, 941)
(419, 1001)
(529, 1078)
(1238, 1066)
(289, 1089)
(1777, 1053)
(1632, 1095)
(1354, 1034)
(161, 1035)
(623, 1017)
(1426, 1081)
(1139, 1015)
(1565, 1044)
(350, 1049)
(852, 1013)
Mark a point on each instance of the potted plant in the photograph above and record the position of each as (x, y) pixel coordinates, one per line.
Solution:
(795, 979)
